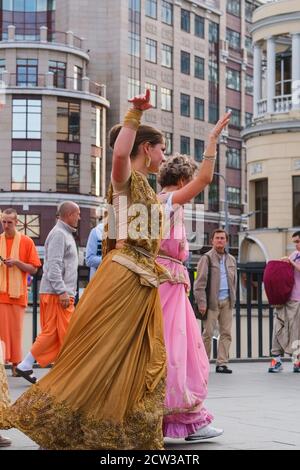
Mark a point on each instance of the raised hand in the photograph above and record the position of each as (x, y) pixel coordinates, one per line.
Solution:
(220, 126)
(142, 102)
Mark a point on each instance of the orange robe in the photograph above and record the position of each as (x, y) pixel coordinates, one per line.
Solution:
(54, 323)
(12, 310)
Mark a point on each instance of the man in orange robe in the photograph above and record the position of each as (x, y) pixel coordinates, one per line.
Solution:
(57, 290)
(18, 258)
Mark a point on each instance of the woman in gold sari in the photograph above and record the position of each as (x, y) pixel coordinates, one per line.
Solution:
(106, 389)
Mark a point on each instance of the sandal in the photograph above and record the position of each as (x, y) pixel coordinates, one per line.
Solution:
(27, 375)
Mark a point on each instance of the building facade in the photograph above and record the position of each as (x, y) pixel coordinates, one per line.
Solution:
(196, 58)
(53, 125)
(273, 140)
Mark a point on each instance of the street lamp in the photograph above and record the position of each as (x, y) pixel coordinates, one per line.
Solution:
(225, 202)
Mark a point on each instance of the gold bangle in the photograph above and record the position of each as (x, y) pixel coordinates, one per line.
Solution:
(209, 157)
(133, 119)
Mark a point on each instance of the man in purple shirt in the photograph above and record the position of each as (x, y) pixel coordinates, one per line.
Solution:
(286, 334)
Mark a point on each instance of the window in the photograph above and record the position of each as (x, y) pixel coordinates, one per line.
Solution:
(151, 50)
(213, 113)
(153, 90)
(235, 117)
(296, 201)
(213, 197)
(151, 8)
(233, 240)
(199, 109)
(185, 20)
(97, 125)
(2, 67)
(68, 121)
(185, 62)
(169, 143)
(199, 199)
(233, 158)
(26, 171)
(166, 99)
(27, 16)
(213, 72)
(185, 145)
(249, 8)
(213, 32)
(199, 26)
(283, 83)
(261, 203)
(27, 119)
(29, 225)
(233, 79)
(134, 44)
(199, 68)
(67, 173)
(167, 56)
(95, 175)
(248, 119)
(249, 85)
(234, 7)
(167, 12)
(199, 150)
(78, 75)
(134, 87)
(234, 196)
(233, 38)
(249, 44)
(185, 106)
(27, 72)
(59, 73)
(135, 5)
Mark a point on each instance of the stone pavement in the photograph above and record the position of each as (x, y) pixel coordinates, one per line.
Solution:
(257, 410)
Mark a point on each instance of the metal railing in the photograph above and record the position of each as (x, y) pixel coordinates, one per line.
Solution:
(50, 81)
(43, 35)
(253, 317)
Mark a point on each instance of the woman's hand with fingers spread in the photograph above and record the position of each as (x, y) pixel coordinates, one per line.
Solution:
(220, 126)
(142, 102)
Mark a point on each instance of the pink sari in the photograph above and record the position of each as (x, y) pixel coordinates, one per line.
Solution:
(187, 362)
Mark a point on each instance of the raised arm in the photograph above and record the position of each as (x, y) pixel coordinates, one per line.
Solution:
(121, 167)
(206, 172)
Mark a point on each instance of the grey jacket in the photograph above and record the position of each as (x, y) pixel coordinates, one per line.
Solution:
(202, 276)
(60, 270)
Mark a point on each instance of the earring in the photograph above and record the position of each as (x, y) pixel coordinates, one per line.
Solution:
(148, 161)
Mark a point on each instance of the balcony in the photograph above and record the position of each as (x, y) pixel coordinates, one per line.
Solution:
(49, 83)
(46, 38)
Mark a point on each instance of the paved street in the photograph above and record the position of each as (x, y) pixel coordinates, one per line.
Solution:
(257, 410)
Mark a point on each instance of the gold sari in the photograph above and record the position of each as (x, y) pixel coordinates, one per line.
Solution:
(106, 389)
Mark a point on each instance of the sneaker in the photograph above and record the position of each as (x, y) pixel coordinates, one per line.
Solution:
(276, 366)
(223, 370)
(296, 367)
(208, 432)
(5, 442)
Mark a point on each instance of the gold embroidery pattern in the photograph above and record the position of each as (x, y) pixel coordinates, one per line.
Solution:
(4, 395)
(55, 426)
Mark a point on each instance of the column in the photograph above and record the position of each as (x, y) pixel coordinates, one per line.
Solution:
(257, 77)
(271, 62)
(296, 71)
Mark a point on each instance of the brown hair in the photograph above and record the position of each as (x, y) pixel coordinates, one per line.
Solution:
(176, 168)
(10, 212)
(219, 230)
(143, 134)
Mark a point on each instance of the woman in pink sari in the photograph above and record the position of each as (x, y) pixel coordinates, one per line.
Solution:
(187, 362)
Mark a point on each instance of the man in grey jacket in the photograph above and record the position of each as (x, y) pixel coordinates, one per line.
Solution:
(215, 293)
(57, 290)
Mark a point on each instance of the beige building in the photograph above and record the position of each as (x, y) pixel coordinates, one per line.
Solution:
(273, 141)
(53, 126)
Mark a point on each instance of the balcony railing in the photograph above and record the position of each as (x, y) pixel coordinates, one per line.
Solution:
(283, 104)
(50, 81)
(262, 107)
(44, 35)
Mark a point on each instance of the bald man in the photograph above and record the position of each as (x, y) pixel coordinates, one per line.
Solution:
(57, 291)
